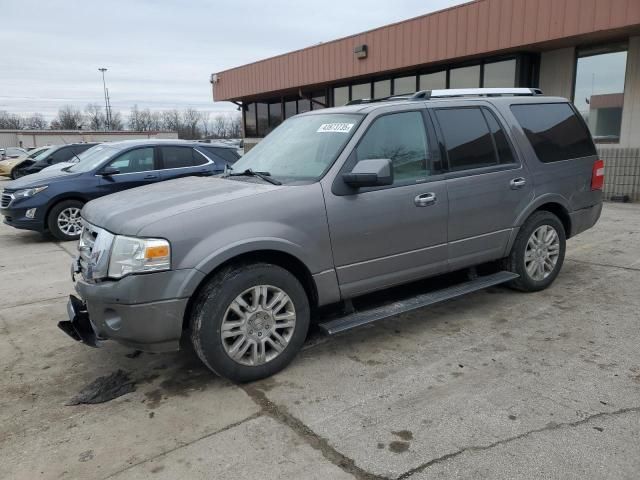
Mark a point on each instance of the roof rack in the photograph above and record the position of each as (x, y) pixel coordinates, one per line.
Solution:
(454, 92)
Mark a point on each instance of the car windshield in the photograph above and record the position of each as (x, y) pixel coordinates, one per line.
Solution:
(92, 158)
(39, 153)
(302, 148)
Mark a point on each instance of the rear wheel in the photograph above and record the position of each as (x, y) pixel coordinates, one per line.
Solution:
(250, 321)
(15, 173)
(64, 220)
(538, 252)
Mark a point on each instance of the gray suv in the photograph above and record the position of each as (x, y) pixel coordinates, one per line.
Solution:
(332, 205)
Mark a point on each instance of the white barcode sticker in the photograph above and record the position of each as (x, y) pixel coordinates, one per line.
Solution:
(335, 127)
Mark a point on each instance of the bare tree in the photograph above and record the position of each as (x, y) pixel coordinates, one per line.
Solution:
(205, 121)
(219, 129)
(69, 118)
(235, 127)
(10, 121)
(190, 120)
(116, 121)
(134, 118)
(171, 120)
(95, 116)
(155, 122)
(35, 122)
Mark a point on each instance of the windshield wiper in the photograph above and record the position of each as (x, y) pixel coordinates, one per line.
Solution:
(266, 176)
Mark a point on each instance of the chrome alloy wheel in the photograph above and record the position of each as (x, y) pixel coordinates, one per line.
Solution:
(258, 325)
(542, 252)
(69, 221)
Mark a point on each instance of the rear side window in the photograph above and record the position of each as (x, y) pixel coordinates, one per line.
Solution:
(227, 155)
(177, 157)
(555, 131)
(473, 138)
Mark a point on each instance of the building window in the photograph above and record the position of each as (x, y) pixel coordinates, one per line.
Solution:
(500, 74)
(275, 115)
(250, 120)
(404, 85)
(319, 100)
(263, 119)
(304, 105)
(599, 90)
(382, 89)
(289, 108)
(464, 77)
(360, 91)
(340, 96)
(433, 81)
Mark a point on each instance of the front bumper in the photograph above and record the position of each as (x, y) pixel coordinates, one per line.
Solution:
(144, 312)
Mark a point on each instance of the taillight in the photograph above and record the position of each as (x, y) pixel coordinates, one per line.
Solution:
(597, 175)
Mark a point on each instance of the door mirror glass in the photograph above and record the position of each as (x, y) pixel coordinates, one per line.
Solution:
(108, 171)
(374, 172)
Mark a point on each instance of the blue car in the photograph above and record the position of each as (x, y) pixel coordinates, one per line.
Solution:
(52, 201)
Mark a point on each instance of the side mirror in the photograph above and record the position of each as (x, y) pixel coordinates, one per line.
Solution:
(108, 171)
(370, 173)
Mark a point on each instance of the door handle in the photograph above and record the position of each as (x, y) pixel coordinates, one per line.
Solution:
(151, 176)
(425, 199)
(517, 183)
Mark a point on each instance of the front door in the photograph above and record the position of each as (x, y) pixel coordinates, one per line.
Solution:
(488, 187)
(135, 168)
(384, 236)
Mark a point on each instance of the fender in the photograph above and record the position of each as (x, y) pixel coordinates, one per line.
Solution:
(538, 202)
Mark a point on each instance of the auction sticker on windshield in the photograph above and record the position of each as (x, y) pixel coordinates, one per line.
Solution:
(335, 127)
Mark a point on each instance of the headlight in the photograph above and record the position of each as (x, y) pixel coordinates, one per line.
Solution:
(138, 255)
(28, 192)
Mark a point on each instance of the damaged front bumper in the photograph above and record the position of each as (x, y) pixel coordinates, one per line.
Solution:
(79, 326)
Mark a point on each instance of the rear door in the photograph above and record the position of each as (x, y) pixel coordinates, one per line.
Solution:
(183, 161)
(135, 167)
(487, 184)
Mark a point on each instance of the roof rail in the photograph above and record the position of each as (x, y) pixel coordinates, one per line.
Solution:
(475, 92)
(453, 92)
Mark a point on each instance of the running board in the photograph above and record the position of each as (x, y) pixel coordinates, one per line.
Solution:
(363, 317)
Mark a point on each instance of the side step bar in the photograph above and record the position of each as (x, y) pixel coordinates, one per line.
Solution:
(363, 317)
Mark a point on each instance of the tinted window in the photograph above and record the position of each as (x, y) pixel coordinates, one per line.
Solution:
(83, 147)
(554, 130)
(505, 154)
(464, 77)
(63, 154)
(138, 160)
(382, 89)
(467, 137)
(404, 85)
(289, 108)
(340, 96)
(500, 74)
(275, 115)
(177, 157)
(227, 154)
(250, 121)
(400, 137)
(361, 90)
(304, 105)
(433, 81)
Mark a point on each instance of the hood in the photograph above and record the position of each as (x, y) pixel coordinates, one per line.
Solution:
(129, 211)
(40, 178)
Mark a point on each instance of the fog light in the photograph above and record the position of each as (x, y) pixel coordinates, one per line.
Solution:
(31, 213)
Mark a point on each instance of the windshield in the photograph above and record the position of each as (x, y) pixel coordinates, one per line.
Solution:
(39, 153)
(302, 148)
(92, 158)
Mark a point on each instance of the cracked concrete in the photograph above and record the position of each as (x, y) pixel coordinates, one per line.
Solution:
(495, 385)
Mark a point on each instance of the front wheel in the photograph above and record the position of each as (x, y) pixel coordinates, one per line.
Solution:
(64, 220)
(249, 321)
(538, 252)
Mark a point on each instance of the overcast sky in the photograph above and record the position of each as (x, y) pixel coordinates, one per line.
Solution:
(160, 53)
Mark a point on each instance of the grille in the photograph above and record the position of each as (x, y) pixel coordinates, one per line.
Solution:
(6, 199)
(85, 246)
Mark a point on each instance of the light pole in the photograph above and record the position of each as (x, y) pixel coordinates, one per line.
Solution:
(106, 100)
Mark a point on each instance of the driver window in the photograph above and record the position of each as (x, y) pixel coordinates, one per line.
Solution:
(400, 137)
(139, 160)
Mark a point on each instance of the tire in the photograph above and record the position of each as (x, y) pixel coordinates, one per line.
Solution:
(15, 174)
(55, 220)
(534, 279)
(213, 310)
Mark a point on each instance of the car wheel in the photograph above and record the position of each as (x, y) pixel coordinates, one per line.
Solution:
(64, 220)
(15, 174)
(249, 321)
(538, 252)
